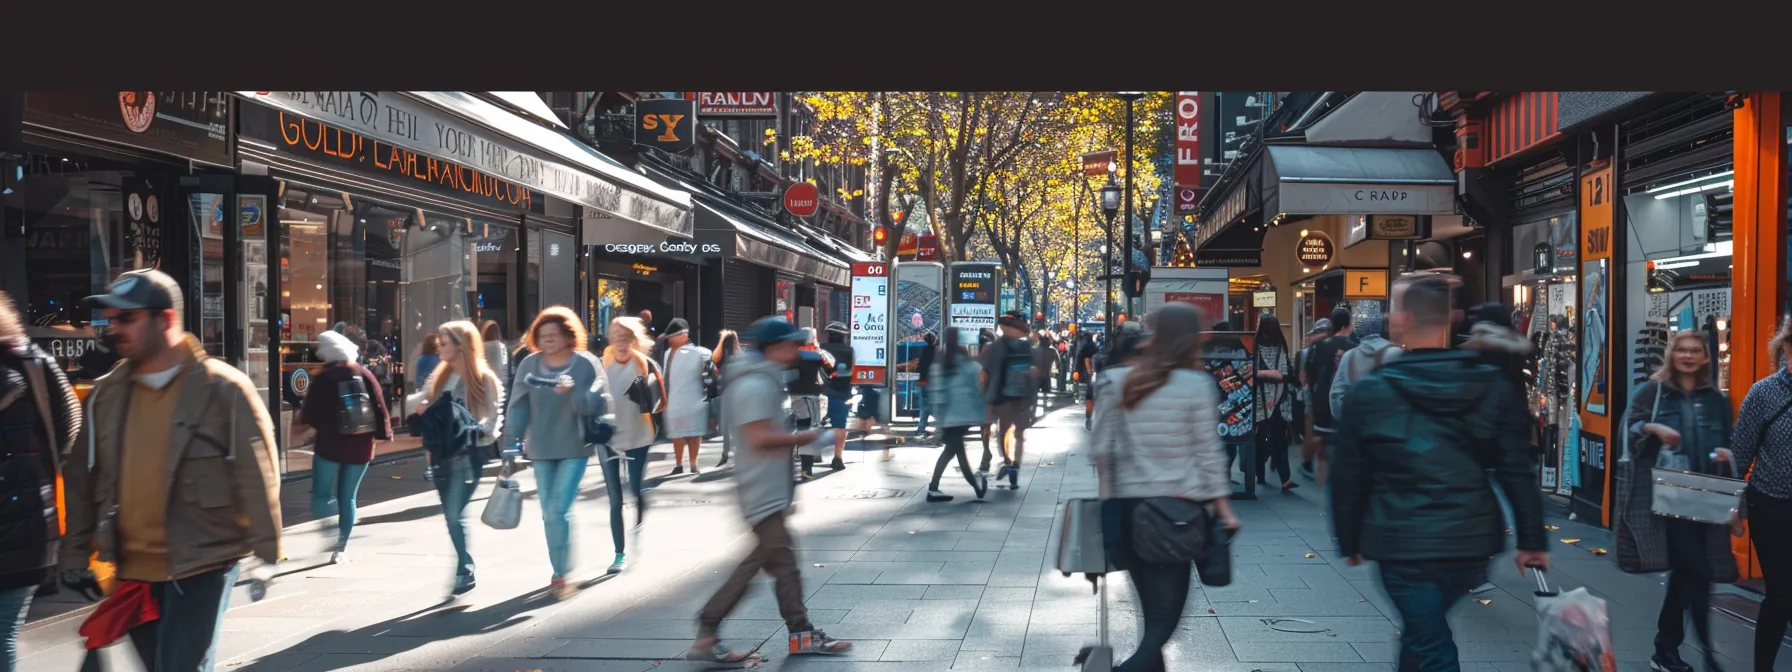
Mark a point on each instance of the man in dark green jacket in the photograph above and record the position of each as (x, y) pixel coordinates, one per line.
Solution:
(1409, 477)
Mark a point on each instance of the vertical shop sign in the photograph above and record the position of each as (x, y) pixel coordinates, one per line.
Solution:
(870, 322)
(1188, 151)
(1597, 211)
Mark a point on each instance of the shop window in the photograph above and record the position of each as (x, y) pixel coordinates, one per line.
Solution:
(67, 236)
(1677, 233)
(611, 297)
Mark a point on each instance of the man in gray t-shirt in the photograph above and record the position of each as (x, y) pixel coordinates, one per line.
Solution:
(753, 412)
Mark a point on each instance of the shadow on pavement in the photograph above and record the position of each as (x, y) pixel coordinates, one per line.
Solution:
(405, 633)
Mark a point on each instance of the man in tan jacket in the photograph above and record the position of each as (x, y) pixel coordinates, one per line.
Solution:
(173, 478)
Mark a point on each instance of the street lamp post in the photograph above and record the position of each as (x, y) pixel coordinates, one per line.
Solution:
(1126, 242)
(1110, 205)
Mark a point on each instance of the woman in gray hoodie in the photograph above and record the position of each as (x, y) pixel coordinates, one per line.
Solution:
(557, 388)
(957, 403)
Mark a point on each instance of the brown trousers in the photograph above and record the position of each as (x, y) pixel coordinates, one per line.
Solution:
(776, 554)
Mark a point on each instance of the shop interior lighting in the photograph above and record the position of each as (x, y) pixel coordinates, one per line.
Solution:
(1721, 248)
(1693, 190)
(1692, 181)
(1465, 253)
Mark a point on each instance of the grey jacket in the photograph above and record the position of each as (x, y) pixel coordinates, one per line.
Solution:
(551, 424)
(1358, 363)
(955, 398)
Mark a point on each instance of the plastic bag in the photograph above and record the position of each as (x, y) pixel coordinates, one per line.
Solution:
(1575, 634)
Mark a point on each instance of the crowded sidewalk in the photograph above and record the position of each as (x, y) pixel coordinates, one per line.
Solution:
(914, 585)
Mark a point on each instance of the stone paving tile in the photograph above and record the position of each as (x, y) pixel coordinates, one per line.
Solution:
(921, 650)
(984, 660)
(1298, 652)
(954, 592)
(645, 649)
(1341, 629)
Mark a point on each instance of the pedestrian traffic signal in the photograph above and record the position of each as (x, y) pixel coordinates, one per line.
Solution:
(1136, 281)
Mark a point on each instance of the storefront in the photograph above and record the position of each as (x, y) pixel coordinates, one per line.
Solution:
(386, 232)
(114, 181)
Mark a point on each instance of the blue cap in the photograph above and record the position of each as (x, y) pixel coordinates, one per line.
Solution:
(769, 330)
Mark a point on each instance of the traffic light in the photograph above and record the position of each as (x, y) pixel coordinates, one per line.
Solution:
(879, 235)
(1134, 286)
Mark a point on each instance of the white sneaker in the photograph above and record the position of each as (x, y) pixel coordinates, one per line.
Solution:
(620, 564)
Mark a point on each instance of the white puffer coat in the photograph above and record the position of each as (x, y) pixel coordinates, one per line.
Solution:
(1169, 446)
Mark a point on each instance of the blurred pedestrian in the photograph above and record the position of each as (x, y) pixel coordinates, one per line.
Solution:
(727, 345)
(634, 380)
(1762, 447)
(1322, 371)
(752, 405)
(813, 369)
(562, 387)
(1274, 399)
(428, 358)
(1679, 421)
(179, 483)
(1372, 351)
(1156, 435)
(1303, 421)
(687, 415)
(497, 356)
(839, 388)
(1011, 383)
(924, 378)
(40, 419)
(1086, 351)
(958, 403)
(1410, 489)
(457, 453)
(347, 411)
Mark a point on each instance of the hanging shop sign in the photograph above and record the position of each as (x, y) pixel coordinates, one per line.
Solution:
(802, 199)
(1229, 210)
(1263, 299)
(736, 103)
(1187, 173)
(666, 124)
(1097, 164)
(1314, 249)
(395, 119)
(1382, 227)
(870, 322)
(188, 124)
(1228, 258)
(325, 144)
(1366, 284)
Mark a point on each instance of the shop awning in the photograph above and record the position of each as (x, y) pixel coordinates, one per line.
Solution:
(1304, 180)
(733, 236)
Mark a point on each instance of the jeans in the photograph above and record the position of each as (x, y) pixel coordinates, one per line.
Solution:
(1774, 551)
(775, 553)
(185, 639)
(921, 395)
(557, 486)
(1272, 448)
(1163, 592)
(455, 482)
(1689, 588)
(637, 468)
(1424, 592)
(14, 604)
(839, 409)
(954, 439)
(333, 489)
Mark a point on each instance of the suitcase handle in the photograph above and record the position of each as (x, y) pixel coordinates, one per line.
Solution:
(1543, 584)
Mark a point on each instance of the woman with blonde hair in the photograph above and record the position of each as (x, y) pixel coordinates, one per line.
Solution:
(1156, 435)
(463, 376)
(1678, 421)
(634, 380)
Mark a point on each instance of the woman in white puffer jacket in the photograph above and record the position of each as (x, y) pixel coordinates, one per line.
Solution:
(1159, 416)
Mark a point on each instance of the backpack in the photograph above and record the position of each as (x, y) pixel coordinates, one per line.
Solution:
(355, 416)
(712, 381)
(1017, 371)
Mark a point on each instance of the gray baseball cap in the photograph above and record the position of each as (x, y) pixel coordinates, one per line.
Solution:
(1322, 326)
(146, 289)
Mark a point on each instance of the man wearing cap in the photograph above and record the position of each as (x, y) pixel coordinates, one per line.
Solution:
(1011, 381)
(753, 411)
(1322, 329)
(177, 476)
(687, 412)
(839, 388)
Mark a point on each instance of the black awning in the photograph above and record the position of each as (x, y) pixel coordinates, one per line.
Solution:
(730, 234)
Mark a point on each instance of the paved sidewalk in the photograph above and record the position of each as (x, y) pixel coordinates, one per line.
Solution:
(915, 585)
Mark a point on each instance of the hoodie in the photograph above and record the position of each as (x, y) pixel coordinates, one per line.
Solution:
(1410, 461)
(324, 401)
(754, 392)
(1360, 360)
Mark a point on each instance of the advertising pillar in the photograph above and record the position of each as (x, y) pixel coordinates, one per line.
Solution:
(1585, 465)
(920, 310)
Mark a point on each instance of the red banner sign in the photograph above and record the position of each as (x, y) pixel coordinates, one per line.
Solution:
(1188, 151)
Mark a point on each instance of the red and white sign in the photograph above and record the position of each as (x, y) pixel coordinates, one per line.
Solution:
(802, 199)
(1188, 151)
(1212, 305)
(870, 329)
(736, 103)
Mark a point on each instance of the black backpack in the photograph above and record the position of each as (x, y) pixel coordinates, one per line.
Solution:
(355, 416)
(1017, 370)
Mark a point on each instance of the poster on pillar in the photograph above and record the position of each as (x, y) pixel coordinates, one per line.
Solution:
(1597, 212)
(870, 328)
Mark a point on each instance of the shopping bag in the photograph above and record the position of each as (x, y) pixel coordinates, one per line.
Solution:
(1575, 631)
(504, 509)
(1082, 549)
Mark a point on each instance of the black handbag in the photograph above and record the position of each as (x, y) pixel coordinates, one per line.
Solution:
(1165, 529)
(644, 391)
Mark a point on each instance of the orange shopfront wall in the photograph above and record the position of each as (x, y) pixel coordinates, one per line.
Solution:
(1759, 258)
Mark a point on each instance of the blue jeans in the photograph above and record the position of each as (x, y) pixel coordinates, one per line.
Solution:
(13, 606)
(921, 395)
(333, 489)
(1424, 592)
(557, 485)
(637, 469)
(839, 407)
(185, 638)
(455, 482)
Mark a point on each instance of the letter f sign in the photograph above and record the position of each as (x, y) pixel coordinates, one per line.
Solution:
(670, 121)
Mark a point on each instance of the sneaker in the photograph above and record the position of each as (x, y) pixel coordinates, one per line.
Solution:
(838, 464)
(1014, 477)
(464, 583)
(339, 552)
(1088, 423)
(620, 564)
(937, 496)
(816, 641)
(1289, 485)
(560, 588)
(677, 470)
(1669, 662)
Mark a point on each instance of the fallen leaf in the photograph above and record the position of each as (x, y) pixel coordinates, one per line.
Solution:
(1571, 540)
(1485, 601)
(1552, 528)
(1211, 611)
(820, 565)
(1311, 555)
(1596, 551)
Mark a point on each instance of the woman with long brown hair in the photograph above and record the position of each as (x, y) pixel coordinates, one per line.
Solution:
(727, 345)
(1156, 435)
(1679, 421)
(626, 366)
(465, 376)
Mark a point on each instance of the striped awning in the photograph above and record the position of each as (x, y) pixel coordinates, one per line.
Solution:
(1520, 122)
